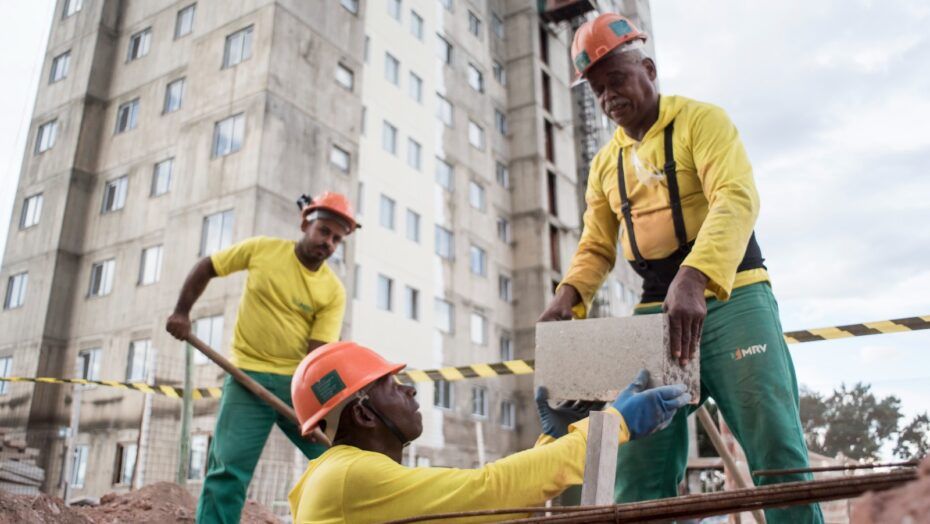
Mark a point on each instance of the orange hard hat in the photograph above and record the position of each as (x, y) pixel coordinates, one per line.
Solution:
(332, 202)
(331, 376)
(595, 38)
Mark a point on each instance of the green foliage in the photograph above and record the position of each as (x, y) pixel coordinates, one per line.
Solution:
(914, 439)
(851, 421)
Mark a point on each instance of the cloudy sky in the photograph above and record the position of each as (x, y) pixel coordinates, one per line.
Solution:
(832, 99)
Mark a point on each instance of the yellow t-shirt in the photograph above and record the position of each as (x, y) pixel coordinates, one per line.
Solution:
(349, 485)
(284, 304)
(718, 199)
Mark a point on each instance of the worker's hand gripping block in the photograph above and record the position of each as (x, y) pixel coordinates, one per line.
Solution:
(596, 359)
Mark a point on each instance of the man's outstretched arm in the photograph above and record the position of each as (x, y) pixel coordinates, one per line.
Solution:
(179, 323)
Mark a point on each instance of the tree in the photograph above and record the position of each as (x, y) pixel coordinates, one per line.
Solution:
(914, 439)
(851, 421)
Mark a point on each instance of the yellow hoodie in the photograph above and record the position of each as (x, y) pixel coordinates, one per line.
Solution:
(718, 197)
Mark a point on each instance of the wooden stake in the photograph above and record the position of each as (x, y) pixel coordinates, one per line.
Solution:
(600, 468)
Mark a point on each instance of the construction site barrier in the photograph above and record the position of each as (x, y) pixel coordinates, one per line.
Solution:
(510, 367)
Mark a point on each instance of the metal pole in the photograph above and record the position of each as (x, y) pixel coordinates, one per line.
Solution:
(186, 415)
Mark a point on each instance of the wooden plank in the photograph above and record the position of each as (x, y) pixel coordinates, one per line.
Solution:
(600, 468)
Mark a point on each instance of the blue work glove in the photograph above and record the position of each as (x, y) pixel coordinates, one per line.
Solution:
(649, 410)
(555, 420)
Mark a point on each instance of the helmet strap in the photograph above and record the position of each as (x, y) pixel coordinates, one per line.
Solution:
(365, 400)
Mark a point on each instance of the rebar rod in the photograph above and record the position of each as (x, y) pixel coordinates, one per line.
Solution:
(770, 472)
(790, 493)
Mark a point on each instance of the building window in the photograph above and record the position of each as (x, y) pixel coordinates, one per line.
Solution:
(389, 138)
(150, 266)
(555, 248)
(394, 9)
(391, 69)
(385, 301)
(210, 331)
(411, 303)
(197, 465)
(479, 401)
(71, 7)
(228, 135)
(415, 87)
(413, 153)
(506, 348)
(127, 116)
(16, 287)
(60, 66)
(475, 78)
(345, 77)
(114, 194)
(79, 465)
(238, 47)
(475, 135)
(339, 254)
(138, 361)
(504, 288)
(184, 23)
(546, 92)
(500, 74)
(350, 5)
(508, 414)
(139, 44)
(446, 4)
(442, 394)
(474, 24)
(445, 175)
(445, 315)
(497, 25)
(339, 158)
(416, 25)
(161, 177)
(88, 364)
(503, 230)
(550, 141)
(551, 193)
(503, 175)
(444, 50)
(45, 136)
(476, 195)
(386, 216)
(125, 464)
(6, 371)
(479, 329)
(216, 233)
(444, 110)
(101, 278)
(500, 121)
(445, 243)
(413, 226)
(174, 94)
(478, 261)
(543, 45)
(32, 211)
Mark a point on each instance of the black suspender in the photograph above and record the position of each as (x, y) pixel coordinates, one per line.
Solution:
(678, 218)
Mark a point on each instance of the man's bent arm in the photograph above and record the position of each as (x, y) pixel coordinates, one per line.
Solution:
(528, 478)
(194, 285)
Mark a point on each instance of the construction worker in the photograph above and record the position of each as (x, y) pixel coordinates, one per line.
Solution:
(292, 304)
(677, 182)
(349, 392)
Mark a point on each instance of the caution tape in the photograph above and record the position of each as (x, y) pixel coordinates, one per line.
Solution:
(525, 367)
(157, 389)
(510, 367)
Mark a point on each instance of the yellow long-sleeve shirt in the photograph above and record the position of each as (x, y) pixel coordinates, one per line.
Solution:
(349, 485)
(718, 197)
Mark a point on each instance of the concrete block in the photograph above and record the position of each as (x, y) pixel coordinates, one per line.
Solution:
(595, 359)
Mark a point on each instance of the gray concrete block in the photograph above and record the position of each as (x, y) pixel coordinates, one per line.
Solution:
(595, 359)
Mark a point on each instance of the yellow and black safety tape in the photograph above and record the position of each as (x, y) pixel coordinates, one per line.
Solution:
(156, 389)
(510, 367)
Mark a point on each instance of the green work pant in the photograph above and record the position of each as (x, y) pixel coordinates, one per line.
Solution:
(746, 368)
(242, 427)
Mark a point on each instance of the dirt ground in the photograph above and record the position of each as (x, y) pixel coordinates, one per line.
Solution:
(909, 504)
(161, 503)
